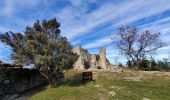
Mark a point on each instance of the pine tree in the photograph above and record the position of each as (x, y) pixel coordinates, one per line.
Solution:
(41, 46)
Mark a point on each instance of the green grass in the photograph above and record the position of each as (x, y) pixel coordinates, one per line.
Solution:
(154, 87)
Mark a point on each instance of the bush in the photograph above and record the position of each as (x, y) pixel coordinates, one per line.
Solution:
(73, 75)
(153, 65)
(120, 65)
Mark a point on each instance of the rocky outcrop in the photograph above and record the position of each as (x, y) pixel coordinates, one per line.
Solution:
(90, 61)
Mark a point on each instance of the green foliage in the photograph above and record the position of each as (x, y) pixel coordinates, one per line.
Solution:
(73, 75)
(97, 57)
(41, 45)
(154, 65)
(163, 64)
(120, 64)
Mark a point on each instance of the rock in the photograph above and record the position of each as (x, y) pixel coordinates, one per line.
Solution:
(10, 97)
(145, 99)
(96, 86)
(132, 78)
(6, 81)
(115, 87)
(15, 95)
(22, 98)
(112, 93)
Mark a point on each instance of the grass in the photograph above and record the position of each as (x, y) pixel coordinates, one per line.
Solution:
(152, 86)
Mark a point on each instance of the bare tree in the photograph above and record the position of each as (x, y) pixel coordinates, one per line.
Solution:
(136, 46)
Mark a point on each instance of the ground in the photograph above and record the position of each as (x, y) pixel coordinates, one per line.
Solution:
(121, 85)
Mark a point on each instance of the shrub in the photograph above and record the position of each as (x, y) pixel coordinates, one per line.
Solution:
(154, 65)
(73, 75)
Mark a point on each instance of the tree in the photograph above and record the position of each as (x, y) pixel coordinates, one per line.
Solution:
(136, 46)
(169, 57)
(43, 46)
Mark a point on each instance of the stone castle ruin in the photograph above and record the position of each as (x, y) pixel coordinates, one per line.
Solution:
(90, 61)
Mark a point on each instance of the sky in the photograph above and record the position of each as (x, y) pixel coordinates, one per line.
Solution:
(89, 23)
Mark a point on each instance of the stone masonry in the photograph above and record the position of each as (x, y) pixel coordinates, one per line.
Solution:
(90, 61)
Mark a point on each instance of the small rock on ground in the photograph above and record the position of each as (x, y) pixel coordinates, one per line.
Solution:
(132, 78)
(15, 97)
(96, 86)
(114, 87)
(145, 99)
(112, 93)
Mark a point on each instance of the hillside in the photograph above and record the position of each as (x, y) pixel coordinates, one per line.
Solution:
(121, 85)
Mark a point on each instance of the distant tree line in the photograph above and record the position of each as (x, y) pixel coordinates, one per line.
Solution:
(152, 65)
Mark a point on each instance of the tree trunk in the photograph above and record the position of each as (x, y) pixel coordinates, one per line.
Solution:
(137, 65)
(50, 80)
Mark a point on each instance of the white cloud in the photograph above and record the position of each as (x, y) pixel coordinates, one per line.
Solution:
(11, 6)
(11, 20)
(158, 26)
(99, 42)
(76, 21)
(162, 26)
(76, 3)
(142, 9)
(21, 24)
(165, 48)
(82, 3)
(120, 13)
(161, 56)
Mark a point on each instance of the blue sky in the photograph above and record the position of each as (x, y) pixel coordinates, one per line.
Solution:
(90, 23)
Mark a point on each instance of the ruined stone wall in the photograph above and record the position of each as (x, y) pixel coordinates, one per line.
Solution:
(103, 60)
(93, 61)
(90, 61)
(15, 80)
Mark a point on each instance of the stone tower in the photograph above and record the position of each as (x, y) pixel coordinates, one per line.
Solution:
(103, 60)
(93, 61)
(79, 64)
